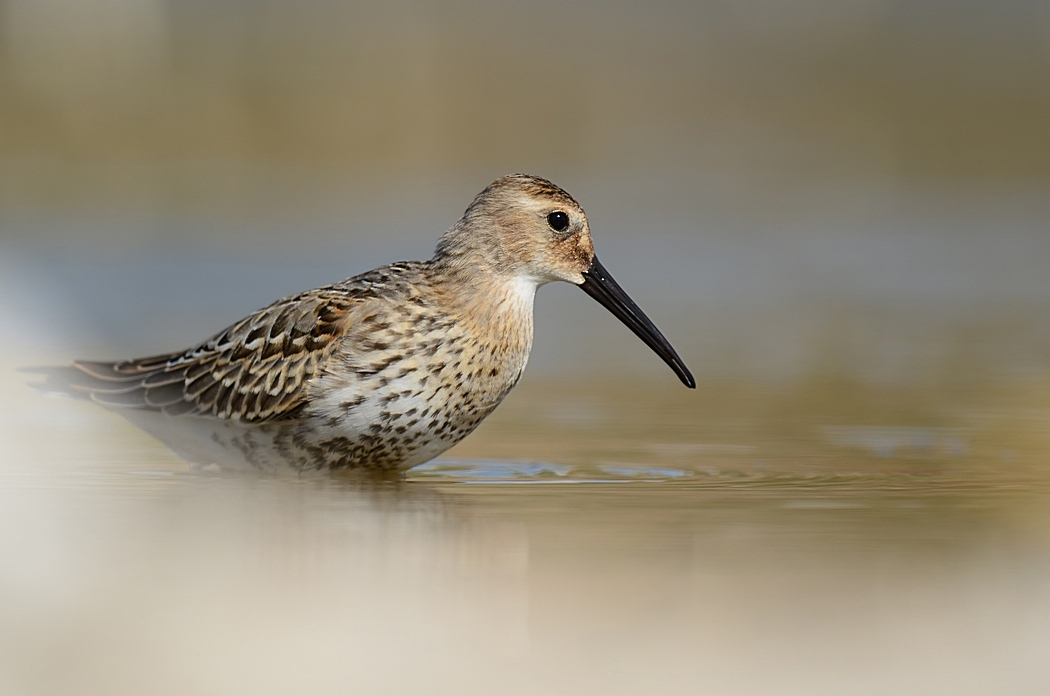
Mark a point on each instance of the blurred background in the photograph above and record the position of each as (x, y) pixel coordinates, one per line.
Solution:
(853, 186)
(838, 211)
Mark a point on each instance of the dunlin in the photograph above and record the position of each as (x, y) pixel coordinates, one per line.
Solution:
(389, 368)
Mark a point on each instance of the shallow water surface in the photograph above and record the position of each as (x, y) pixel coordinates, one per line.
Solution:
(812, 538)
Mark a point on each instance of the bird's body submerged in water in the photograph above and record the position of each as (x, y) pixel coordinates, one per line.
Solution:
(387, 369)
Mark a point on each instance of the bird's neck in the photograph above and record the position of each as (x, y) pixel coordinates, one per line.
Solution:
(496, 308)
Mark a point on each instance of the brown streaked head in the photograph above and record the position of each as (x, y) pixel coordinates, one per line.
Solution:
(525, 227)
(521, 226)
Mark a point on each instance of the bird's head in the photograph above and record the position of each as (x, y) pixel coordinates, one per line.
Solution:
(524, 228)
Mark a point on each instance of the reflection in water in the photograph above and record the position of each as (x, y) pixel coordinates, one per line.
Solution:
(787, 539)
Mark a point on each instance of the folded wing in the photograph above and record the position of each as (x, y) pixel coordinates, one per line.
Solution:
(255, 371)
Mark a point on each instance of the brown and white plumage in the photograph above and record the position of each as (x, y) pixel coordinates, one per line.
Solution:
(386, 369)
(253, 371)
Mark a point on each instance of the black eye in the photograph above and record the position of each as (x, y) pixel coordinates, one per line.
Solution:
(558, 221)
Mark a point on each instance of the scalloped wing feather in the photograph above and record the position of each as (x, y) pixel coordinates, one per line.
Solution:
(255, 371)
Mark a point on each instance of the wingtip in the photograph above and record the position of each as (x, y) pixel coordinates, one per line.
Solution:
(96, 369)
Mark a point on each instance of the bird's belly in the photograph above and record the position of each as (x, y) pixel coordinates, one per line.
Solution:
(398, 423)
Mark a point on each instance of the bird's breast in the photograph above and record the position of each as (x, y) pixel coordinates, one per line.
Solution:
(415, 386)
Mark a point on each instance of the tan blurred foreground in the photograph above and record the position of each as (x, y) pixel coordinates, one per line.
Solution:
(811, 539)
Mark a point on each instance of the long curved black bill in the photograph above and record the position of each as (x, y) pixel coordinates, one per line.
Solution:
(600, 285)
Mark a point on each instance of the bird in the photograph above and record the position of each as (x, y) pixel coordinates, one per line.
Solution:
(387, 369)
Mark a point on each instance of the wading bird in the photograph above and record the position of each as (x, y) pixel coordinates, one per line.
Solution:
(384, 370)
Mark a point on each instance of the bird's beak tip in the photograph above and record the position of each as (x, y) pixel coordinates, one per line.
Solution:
(600, 285)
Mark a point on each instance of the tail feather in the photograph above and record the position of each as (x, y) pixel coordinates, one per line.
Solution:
(167, 395)
(125, 370)
(129, 399)
(141, 366)
(138, 384)
(102, 371)
(163, 378)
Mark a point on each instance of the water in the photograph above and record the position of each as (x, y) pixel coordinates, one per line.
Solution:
(630, 537)
(856, 499)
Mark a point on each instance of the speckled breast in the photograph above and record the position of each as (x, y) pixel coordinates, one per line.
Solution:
(428, 381)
